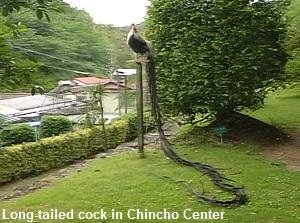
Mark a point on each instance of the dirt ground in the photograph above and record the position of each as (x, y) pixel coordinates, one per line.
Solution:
(274, 143)
(288, 153)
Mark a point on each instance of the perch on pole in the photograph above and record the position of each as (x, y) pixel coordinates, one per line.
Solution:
(140, 108)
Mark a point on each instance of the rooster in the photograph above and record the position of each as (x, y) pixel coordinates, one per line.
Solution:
(137, 43)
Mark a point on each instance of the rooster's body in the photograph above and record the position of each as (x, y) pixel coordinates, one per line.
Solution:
(137, 43)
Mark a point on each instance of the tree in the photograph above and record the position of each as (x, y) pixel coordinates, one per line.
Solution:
(293, 40)
(70, 42)
(216, 57)
(96, 104)
(14, 68)
(41, 7)
(121, 56)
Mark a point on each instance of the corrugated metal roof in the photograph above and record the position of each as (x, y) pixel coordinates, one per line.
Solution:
(7, 110)
(30, 102)
(93, 80)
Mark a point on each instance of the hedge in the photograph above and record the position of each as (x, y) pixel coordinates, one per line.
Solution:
(29, 159)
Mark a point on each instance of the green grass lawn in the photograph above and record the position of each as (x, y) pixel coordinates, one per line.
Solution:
(124, 182)
(282, 108)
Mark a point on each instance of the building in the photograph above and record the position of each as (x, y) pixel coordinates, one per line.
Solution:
(30, 107)
(70, 97)
(79, 90)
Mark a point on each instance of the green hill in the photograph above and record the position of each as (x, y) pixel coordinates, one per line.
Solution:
(70, 45)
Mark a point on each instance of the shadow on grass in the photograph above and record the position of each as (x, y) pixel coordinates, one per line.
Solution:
(243, 128)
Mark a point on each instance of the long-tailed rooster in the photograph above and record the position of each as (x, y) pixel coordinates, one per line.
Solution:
(144, 49)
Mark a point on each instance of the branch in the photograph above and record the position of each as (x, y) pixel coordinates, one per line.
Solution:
(180, 123)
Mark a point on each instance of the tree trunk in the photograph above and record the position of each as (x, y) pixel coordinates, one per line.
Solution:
(103, 123)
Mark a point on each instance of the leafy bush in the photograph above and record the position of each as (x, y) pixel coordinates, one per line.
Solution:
(131, 118)
(54, 125)
(16, 134)
(149, 122)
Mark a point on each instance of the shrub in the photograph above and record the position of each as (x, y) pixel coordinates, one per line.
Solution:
(54, 125)
(16, 134)
(149, 122)
(131, 118)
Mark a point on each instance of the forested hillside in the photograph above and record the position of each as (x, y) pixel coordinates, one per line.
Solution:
(121, 56)
(67, 46)
(293, 41)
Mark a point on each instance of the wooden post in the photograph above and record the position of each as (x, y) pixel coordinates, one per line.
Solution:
(119, 93)
(146, 88)
(125, 93)
(139, 108)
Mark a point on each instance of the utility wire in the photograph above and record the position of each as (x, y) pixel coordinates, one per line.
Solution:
(40, 53)
(54, 57)
(73, 71)
(44, 54)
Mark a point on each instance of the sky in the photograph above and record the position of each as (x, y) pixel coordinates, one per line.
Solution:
(114, 12)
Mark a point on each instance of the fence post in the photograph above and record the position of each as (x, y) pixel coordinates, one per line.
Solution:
(139, 108)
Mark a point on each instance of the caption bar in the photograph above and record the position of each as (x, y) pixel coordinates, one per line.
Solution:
(102, 214)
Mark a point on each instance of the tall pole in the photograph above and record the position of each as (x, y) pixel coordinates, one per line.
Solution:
(139, 108)
(146, 88)
(125, 93)
(119, 93)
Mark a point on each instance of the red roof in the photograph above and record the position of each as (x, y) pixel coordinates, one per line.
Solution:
(90, 81)
(93, 80)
